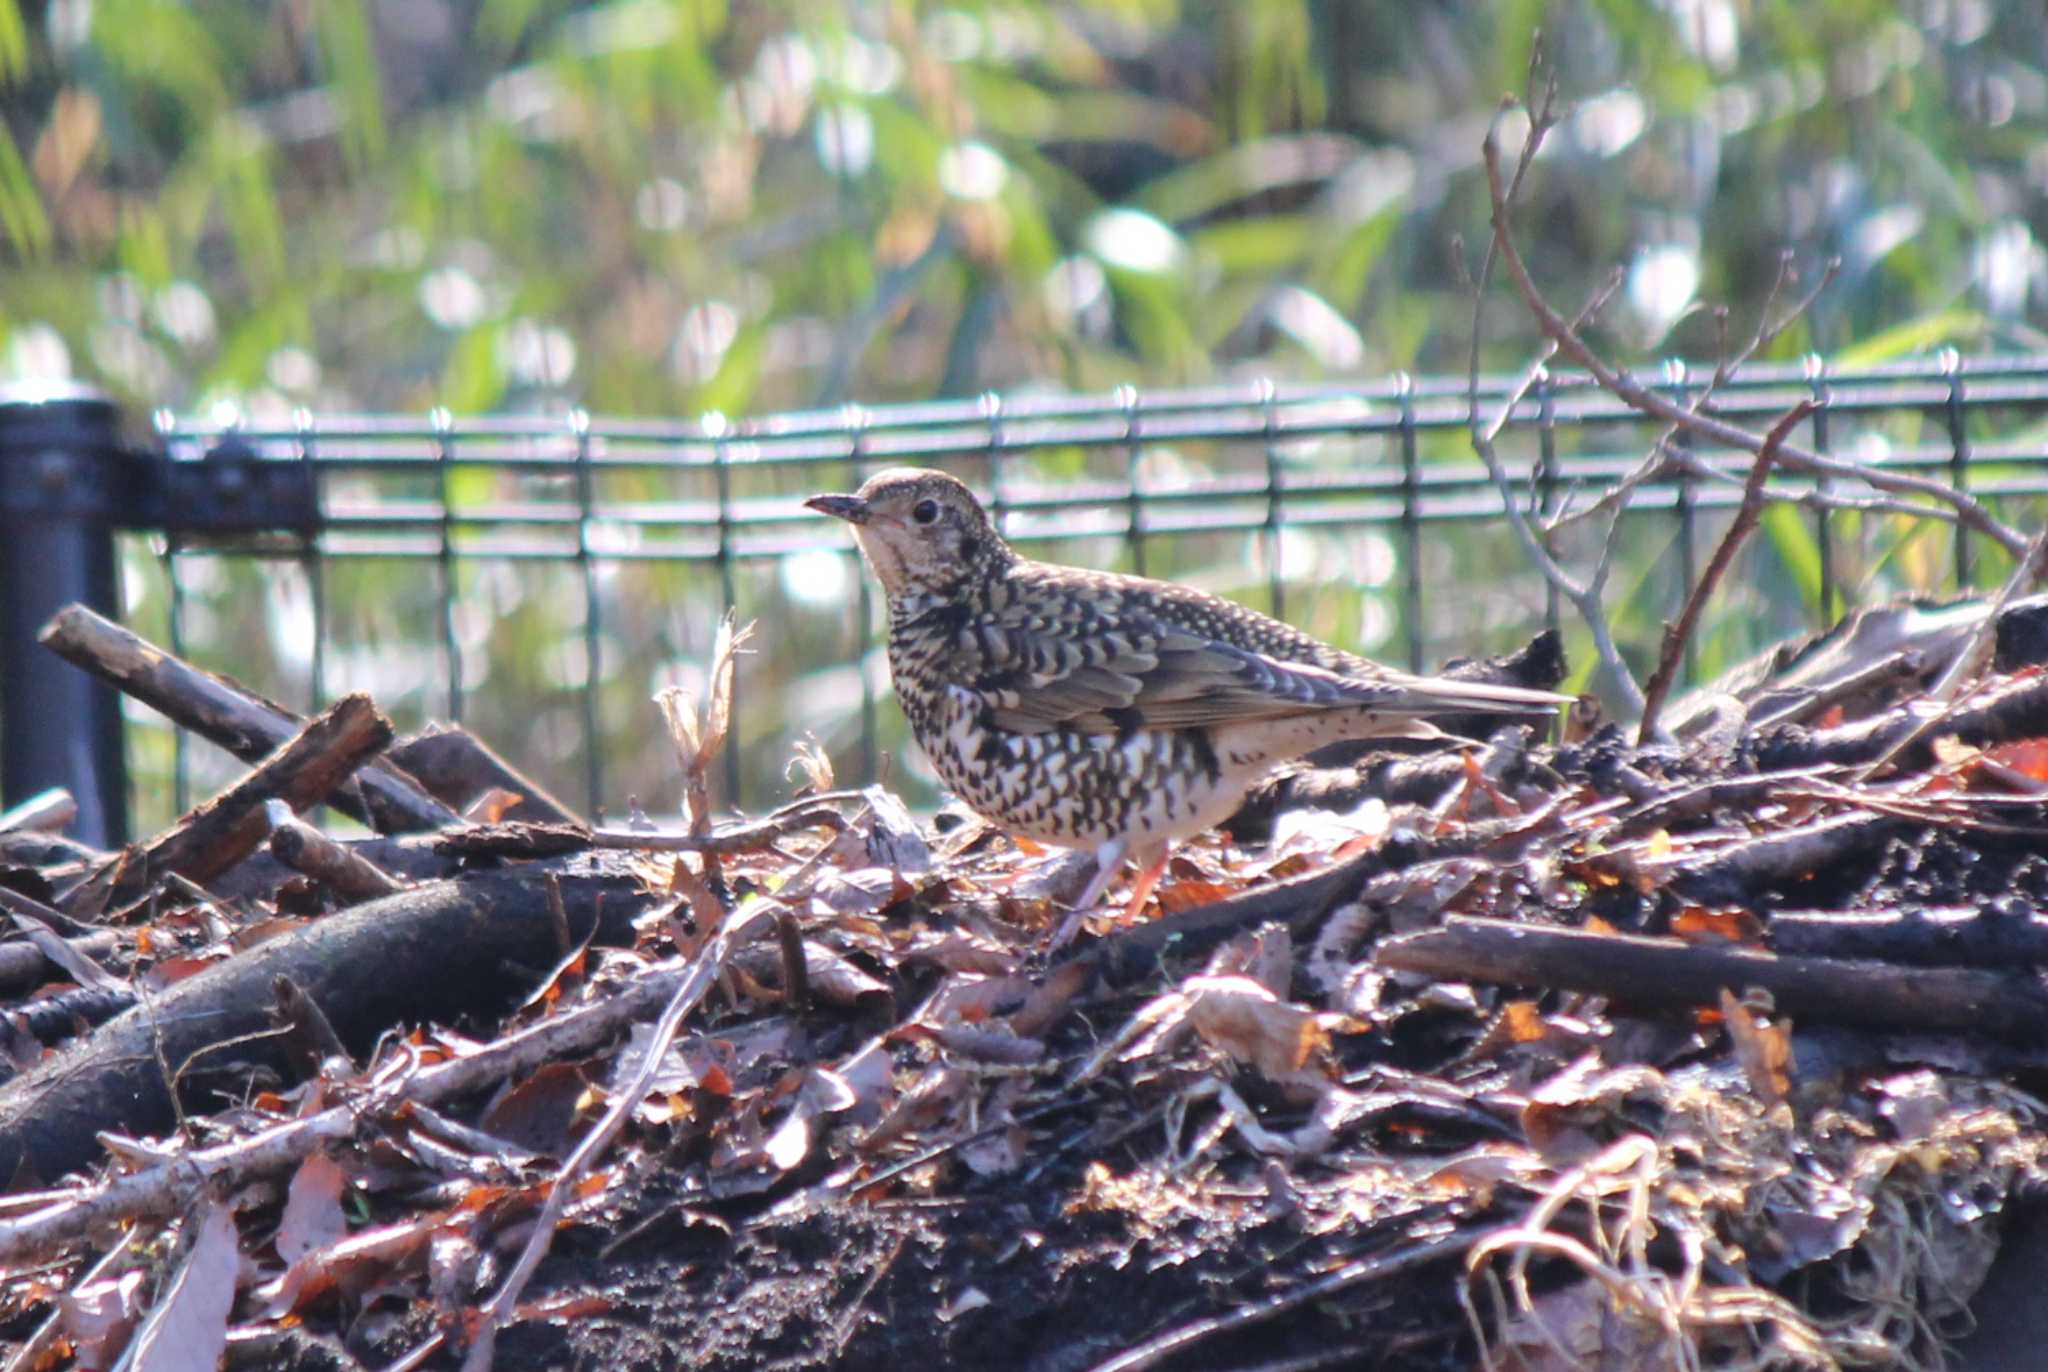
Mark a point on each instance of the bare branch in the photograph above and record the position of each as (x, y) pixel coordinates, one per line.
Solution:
(1969, 510)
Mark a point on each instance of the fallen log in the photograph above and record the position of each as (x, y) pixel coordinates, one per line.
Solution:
(307, 851)
(435, 953)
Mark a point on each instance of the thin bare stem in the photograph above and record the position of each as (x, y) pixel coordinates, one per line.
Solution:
(1677, 635)
(1585, 597)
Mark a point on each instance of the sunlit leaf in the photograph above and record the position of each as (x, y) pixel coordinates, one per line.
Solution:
(1914, 336)
(21, 208)
(351, 59)
(1791, 536)
(13, 42)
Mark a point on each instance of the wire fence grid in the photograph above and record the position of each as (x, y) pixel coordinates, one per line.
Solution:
(539, 577)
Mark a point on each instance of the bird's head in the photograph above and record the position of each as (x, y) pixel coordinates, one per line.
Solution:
(922, 531)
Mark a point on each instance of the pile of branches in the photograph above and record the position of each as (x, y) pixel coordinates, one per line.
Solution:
(1546, 1052)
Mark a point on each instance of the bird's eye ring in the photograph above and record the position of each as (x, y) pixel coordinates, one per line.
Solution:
(925, 511)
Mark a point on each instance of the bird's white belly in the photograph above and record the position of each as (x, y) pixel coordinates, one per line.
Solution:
(1077, 789)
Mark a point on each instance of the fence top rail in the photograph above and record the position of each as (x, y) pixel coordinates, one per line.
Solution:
(1001, 422)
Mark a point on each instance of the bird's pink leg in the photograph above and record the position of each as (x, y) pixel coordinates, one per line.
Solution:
(1152, 865)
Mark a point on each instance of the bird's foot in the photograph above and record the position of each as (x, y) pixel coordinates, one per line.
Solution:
(1109, 858)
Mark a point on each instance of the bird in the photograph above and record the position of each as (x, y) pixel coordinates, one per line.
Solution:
(1098, 710)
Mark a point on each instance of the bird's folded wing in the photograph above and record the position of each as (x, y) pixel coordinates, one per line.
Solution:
(1036, 675)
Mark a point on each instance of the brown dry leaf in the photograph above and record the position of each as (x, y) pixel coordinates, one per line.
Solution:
(1696, 924)
(704, 908)
(861, 891)
(1762, 1047)
(1251, 1024)
(1265, 954)
(97, 1318)
(1004, 1151)
(941, 1091)
(492, 806)
(361, 1254)
(1572, 1330)
(1477, 1171)
(1050, 1001)
(973, 1000)
(893, 837)
(1293, 865)
(837, 981)
(1577, 1107)
(1324, 831)
(996, 1045)
(815, 1094)
(312, 1208)
(540, 1113)
(1190, 893)
(2027, 756)
(959, 950)
(1519, 1022)
(187, 1331)
(789, 1143)
(871, 1075)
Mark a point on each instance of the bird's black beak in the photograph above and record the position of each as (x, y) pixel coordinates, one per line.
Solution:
(850, 508)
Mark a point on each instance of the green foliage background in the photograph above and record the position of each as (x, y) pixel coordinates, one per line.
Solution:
(666, 207)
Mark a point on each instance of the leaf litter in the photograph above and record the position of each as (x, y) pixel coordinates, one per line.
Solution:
(855, 1107)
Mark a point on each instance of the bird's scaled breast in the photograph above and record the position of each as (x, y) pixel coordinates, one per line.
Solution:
(1066, 787)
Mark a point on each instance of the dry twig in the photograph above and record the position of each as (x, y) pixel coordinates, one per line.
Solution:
(1585, 596)
(1565, 335)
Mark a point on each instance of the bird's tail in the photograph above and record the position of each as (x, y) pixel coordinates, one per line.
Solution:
(1436, 695)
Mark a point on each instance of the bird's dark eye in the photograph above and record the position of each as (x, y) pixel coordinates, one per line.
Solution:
(925, 511)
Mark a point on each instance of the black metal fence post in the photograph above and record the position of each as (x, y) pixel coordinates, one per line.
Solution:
(65, 481)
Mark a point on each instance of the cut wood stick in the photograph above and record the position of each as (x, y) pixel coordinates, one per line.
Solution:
(2006, 710)
(304, 849)
(1735, 873)
(1958, 936)
(457, 767)
(44, 812)
(223, 711)
(222, 831)
(23, 965)
(1669, 972)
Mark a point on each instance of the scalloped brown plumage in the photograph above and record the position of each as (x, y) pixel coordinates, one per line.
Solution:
(1091, 709)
